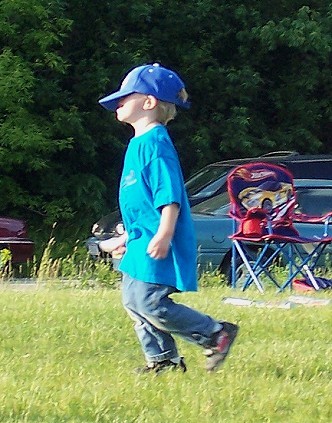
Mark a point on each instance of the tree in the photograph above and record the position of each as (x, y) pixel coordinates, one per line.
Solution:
(41, 126)
(258, 74)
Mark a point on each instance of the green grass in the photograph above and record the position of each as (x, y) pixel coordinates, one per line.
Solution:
(67, 355)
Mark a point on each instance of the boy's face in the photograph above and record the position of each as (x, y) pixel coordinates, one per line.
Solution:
(131, 108)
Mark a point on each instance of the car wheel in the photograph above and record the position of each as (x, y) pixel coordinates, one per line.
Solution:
(241, 271)
(242, 274)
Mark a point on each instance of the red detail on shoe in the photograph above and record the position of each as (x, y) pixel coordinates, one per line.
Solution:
(223, 344)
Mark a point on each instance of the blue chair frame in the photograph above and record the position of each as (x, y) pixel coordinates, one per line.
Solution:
(276, 235)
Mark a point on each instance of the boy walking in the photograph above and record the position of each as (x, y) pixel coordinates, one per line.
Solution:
(159, 244)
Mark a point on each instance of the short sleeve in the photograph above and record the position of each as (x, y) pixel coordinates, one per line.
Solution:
(164, 180)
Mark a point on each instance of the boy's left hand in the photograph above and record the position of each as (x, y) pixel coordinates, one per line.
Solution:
(158, 247)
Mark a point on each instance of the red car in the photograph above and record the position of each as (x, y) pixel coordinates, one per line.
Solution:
(13, 236)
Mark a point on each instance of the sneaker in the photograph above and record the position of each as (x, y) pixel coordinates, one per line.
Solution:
(158, 367)
(224, 339)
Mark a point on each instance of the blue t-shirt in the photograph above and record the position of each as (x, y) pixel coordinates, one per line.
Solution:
(152, 178)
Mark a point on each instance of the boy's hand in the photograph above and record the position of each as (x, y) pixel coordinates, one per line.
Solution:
(115, 246)
(158, 247)
(119, 252)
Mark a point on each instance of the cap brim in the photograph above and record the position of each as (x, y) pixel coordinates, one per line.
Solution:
(110, 102)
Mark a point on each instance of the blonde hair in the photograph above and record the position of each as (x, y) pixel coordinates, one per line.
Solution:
(167, 111)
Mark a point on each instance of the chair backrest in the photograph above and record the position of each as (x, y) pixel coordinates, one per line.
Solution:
(261, 186)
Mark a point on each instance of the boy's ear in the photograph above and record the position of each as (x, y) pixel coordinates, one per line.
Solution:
(150, 102)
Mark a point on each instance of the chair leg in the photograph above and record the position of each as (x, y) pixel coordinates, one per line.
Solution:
(247, 264)
(311, 277)
(233, 266)
(306, 264)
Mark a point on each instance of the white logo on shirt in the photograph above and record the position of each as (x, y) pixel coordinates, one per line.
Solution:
(129, 180)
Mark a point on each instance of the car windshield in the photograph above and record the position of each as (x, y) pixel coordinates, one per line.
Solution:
(207, 181)
(314, 201)
(218, 205)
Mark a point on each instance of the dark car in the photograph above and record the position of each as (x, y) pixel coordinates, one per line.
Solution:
(107, 227)
(211, 181)
(213, 224)
(14, 237)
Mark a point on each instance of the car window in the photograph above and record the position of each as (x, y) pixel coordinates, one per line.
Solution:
(314, 201)
(218, 205)
(211, 188)
(207, 181)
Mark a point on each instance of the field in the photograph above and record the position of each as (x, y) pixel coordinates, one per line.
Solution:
(68, 355)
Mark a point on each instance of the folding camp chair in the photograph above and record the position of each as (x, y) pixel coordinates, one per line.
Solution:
(263, 200)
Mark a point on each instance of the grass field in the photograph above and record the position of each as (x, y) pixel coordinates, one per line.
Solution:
(67, 355)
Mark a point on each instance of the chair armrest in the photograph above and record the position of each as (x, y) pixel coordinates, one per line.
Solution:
(326, 219)
(304, 218)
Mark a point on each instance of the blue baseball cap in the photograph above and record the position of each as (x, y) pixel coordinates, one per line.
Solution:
(155, 80)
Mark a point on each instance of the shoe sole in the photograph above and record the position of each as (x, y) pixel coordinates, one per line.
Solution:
(172, 367)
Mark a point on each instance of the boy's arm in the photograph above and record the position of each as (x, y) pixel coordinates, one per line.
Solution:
(160, 243)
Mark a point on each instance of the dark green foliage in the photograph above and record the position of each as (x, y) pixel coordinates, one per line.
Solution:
(258, 74)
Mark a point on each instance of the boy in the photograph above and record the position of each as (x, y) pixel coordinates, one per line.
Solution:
(159, 244)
